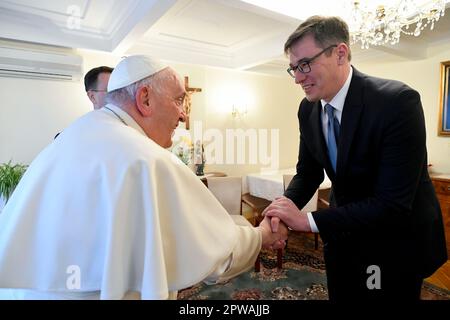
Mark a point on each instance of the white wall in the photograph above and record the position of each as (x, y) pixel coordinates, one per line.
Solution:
(33, 111)
(271, 102)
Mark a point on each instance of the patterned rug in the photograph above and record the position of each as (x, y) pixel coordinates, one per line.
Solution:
(302, 278)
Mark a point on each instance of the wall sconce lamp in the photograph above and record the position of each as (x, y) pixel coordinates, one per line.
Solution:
(238, 111)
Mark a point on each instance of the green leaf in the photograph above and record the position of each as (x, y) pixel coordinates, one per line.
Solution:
(10, 176)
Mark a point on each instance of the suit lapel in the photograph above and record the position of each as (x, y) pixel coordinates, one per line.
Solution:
(350, 119)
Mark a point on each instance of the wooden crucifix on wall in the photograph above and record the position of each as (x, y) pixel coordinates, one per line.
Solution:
(188, 99)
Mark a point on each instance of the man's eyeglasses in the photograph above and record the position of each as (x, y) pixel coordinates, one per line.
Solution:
(304, 64)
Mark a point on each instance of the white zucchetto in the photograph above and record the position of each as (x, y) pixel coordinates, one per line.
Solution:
(132, 69)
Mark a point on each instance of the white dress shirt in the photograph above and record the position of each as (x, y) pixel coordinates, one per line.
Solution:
(338, 107)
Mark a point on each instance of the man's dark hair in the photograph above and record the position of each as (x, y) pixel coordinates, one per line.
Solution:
(90, 79)
(326, 31)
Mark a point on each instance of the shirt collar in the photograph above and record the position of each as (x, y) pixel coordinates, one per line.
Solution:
(124, 115)
(339, 99)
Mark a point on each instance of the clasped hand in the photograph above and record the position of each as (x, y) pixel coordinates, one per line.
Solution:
(284, 209)
(273, 239)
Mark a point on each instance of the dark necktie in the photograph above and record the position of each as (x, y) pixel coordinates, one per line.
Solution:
(333, 135)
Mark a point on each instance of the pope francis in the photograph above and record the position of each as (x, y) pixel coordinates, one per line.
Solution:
(105, 212)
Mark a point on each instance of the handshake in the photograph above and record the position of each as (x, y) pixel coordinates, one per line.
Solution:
(278, 216)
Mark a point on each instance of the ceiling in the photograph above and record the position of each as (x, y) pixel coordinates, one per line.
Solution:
(221, 33)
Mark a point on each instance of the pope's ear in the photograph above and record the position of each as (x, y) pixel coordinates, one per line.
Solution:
(144, 99)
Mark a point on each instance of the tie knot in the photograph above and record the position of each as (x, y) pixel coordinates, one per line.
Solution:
(329, 110)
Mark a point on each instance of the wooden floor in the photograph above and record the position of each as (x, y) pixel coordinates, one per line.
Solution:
(441, 278)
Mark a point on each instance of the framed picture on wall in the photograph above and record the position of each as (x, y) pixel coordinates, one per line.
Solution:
(444, 101)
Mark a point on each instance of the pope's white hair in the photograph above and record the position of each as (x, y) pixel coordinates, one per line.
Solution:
(127, 94)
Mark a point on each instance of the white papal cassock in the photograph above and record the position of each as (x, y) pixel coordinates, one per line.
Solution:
(105, 200)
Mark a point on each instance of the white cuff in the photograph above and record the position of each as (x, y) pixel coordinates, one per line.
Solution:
(312, 223)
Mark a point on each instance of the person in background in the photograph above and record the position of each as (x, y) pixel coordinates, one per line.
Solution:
(95, 84)
(383, 233)
(105, 211)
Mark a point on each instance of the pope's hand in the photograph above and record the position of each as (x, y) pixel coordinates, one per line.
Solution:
(273, 240)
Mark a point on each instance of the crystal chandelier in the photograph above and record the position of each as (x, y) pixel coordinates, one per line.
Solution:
(382, 22)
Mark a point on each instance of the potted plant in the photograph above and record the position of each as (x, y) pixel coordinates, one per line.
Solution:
(183, 149)
(10, 175)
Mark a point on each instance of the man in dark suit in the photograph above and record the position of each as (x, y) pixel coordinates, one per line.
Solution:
(95, 83)
(383, 233)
